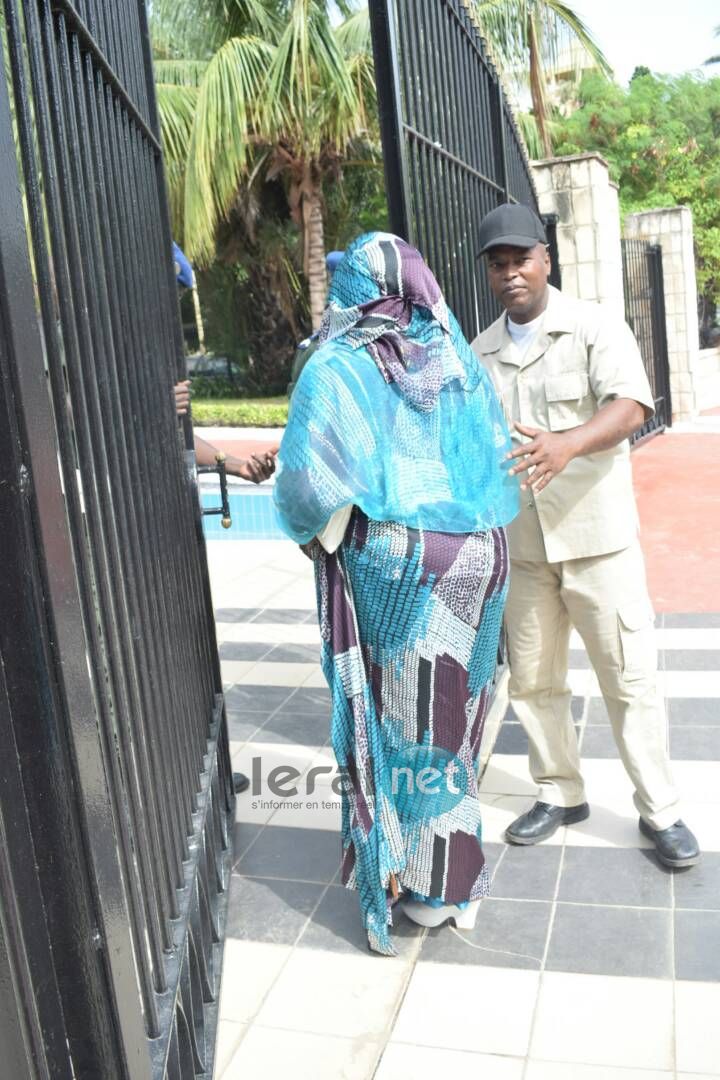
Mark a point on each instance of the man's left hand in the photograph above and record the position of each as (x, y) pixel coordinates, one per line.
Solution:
(546, 454)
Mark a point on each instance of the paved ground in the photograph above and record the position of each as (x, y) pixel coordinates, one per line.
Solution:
(589, 962)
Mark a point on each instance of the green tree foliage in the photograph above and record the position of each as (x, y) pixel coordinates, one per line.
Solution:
(530, 40)
(660, 138)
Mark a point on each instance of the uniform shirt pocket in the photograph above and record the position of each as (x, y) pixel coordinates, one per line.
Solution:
(569, 400)
(637, 639)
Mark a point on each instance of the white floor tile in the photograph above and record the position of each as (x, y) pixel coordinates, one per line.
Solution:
(483, 1009)
(697, 1009)
(699, 780)
(704, 820)
(553, 1070)
(270, 633)
(235, 670)
(269, 1054)
(316, 678)
(690, 684)
(228, 1041)
(430, 1063)
(508, 774)
(604, 1020)
(335, 994)
(249, 970)
(267, 673)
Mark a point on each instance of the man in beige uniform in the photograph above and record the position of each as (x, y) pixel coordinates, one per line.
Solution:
(572, 382)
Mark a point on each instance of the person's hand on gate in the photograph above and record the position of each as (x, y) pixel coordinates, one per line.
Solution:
(547, 454)
(182, 397)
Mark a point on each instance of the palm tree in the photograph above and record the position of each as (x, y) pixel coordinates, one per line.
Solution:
(714, 59)
(259, 90)
(530, 36)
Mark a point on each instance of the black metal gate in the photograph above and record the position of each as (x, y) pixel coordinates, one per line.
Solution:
(645, 314)
(115, 786)
(451, 149)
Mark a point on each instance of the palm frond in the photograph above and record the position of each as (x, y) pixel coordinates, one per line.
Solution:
(225, 120)
(180, 72)
(176, 107)
(353, 35)
(308, 72)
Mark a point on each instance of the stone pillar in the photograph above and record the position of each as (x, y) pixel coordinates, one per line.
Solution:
(673, 230)
(579, 190)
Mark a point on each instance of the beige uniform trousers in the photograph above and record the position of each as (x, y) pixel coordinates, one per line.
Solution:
(605, 598)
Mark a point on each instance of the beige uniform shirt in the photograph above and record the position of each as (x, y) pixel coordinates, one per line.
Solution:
(582, 358)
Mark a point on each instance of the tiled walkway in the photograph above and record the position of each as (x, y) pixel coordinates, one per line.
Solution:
(588, 962)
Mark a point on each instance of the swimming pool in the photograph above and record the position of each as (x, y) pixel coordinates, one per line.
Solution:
(253, 515)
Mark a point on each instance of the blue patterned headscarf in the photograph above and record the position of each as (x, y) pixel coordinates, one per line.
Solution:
(384, 297)
(393, 412)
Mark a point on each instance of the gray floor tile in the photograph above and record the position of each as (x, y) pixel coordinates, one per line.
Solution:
(243, 726)
(701, 619)
(598, 742)
(244, 834)
(492, 853)
(699, 886)
(255, 698)
(611, 941)
(527, 873)
(694, 711)
(508, 933)
(629, 876)
(294, 854)
(237, 614)
(303, 729)
(691, 659)
(597, 713)
(337, 926)
(244, 650)
(695, 743)
(697, 945)
(309, 700)
(269, 910)
(295, 654)
(511, 739)
(282, 615)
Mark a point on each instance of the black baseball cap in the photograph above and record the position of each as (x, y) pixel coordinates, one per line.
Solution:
(511, 224)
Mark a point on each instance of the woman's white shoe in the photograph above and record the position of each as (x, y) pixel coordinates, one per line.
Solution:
(426, 915)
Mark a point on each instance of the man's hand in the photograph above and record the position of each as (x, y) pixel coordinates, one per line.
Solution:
(256, 468)
(182, 397)
(546, 454)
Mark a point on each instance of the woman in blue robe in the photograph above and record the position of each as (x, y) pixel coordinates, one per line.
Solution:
(394, 456)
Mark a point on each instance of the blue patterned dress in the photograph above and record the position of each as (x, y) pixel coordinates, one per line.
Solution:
(394, 416)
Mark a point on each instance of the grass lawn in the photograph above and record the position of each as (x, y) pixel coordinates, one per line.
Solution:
(240, 412)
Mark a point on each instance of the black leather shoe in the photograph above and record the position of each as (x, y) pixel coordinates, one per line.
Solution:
(675, 846)
(542, 820)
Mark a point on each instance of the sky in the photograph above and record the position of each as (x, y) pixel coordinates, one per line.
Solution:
(668, 36)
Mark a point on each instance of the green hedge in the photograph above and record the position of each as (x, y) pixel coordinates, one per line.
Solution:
(241, 412)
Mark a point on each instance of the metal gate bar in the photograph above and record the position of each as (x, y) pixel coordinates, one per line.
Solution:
(125, 616)
(645, 314)
(451, 148)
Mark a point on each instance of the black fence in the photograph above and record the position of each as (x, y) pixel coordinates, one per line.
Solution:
(451, 148)
(645, 314)
(115, 788)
